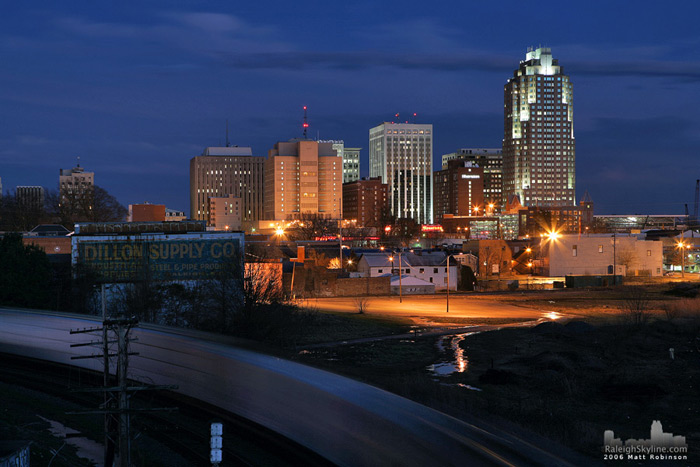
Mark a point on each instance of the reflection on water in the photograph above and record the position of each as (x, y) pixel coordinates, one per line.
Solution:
(553, 315)
(460, 362)
(86, 447)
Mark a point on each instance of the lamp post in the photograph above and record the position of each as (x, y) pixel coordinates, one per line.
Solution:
(681, 246)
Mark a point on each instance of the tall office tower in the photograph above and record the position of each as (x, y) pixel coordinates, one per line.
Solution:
(224, 171)
(459, 190)
(303, 177)
(30, 197)
(538, 141)
(365, 201)
(402, 155)
(351, 159)
(489, 159)
(74, 183)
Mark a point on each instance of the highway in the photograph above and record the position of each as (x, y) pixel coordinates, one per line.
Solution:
(345, 421)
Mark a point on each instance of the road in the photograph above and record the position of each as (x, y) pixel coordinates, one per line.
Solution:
(461, 306)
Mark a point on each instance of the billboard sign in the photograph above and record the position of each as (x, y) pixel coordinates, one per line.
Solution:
(155, 259)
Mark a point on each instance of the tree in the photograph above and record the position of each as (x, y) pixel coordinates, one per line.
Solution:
(95, 204)
(19, 215)
(626, 257)
(25, 275)
(308, 226)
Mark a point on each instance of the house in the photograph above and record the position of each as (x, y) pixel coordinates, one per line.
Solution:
(430, 267)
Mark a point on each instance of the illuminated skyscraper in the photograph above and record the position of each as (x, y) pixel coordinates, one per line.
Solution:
(303, 177)
(539, 156)
(402, 155)
(224, 171)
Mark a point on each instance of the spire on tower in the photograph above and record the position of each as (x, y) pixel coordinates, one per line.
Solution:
(306, 123)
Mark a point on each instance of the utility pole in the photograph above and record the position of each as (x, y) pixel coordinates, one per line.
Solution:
(400, 287)
(291, 289)
(448, 283)
(614, 257)
(340, 242)
(116, 408)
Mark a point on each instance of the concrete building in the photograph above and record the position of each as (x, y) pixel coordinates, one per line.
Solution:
(74, 183)
(146, 212)
(351, 159)
(538, 142)
(303, 177)
(366, 201)
(224, 171)
(30, 197)
(225, 213)
(402, 155)
(459, 190)
(491, 161)
(602, 254)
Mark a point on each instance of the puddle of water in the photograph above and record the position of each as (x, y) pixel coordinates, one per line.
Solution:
(466, 386)
(460, 362)
(87, 448)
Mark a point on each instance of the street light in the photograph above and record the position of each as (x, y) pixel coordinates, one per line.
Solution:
(682, 245)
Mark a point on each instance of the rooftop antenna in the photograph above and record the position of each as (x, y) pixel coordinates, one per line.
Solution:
(415, 114)
(228, 144)
(78, 161)
(306, 124)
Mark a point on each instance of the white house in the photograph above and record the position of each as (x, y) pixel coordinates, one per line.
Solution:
(428, 267)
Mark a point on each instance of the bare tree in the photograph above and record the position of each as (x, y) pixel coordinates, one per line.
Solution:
(94, 204)
(625, 257)
(636, 304)
(309, 226)
(362, 304)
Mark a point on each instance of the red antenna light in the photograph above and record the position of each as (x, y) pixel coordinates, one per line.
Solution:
(306, 124)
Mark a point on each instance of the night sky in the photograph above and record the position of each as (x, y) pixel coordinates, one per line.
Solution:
(137, 89)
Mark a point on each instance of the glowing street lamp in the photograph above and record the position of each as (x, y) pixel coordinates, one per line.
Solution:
(682, 245)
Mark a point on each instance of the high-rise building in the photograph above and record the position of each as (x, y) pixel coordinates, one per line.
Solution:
(351, 164)
(73, 184)
(489, 159)
(365, 201)
(225, 213)
(224, 171)
(402, 155)
(459, 190)
(303, 177)
(30, 197)
(351, 159)
(538, 141)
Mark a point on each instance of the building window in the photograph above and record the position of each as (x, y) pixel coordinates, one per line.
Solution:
(380, 271)
(434, 272)
(648, 252)
(600, 248)
(574, 250)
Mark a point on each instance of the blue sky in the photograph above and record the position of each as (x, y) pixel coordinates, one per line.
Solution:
(137, 89)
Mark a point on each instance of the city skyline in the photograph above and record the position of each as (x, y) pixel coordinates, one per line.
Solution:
(137, 94)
